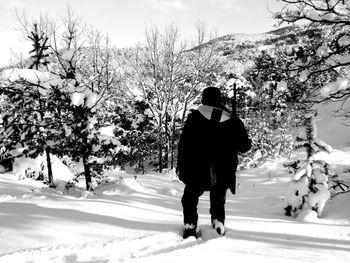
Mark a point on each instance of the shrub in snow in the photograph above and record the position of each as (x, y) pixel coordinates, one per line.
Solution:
(309, 188)
(122, 186)
(136, 132)
(23, 167)
(263, 100)
(269, 139)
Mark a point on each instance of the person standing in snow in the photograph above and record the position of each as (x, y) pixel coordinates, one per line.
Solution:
(207, 159)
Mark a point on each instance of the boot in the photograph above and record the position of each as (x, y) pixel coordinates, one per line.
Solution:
(190, 230)
(218, 226)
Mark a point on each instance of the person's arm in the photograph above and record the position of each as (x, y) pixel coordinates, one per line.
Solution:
(184, 142)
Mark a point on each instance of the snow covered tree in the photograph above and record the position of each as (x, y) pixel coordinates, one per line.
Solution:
(203, 68)
(170, 79)
(28, 124)
(156, 70)
(199, 70)
(84, 62)
(135, 131)
(40, 59)
(309, 188)
(29, 98)
(69, 89)
(5, 158)
(329, 56)
(268, 105)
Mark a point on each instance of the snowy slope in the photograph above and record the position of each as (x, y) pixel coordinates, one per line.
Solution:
(140, 221)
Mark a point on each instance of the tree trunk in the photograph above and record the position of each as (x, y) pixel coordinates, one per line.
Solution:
(143, 165)
(166, 142)
(49, 167)
(160, 151)
(47, 150)
(160, 146)
(87, 172)
(172, 146)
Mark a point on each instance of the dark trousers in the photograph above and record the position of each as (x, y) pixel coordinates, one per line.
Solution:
(190, 200)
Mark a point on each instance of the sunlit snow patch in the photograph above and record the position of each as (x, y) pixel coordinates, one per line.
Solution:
(124, 186)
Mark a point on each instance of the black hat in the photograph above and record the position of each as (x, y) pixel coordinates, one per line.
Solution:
(211, 96)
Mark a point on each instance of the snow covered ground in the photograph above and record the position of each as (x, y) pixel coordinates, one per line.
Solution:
(140, 221)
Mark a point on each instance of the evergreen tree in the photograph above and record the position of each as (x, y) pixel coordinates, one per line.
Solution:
(85, 64)
(28, 122)
(39, 52)
(135, 130)
(39, 59)
(309, 188)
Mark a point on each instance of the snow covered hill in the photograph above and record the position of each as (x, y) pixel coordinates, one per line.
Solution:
(244, 47)
(140, 221)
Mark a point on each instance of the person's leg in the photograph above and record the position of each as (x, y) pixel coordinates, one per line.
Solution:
(189, 202)
(217, 203)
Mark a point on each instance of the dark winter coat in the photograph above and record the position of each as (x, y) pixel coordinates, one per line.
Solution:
(207, 152)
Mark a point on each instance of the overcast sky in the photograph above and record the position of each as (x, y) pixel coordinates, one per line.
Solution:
(124, 20)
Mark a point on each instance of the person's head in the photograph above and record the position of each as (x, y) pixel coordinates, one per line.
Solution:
(211, 96)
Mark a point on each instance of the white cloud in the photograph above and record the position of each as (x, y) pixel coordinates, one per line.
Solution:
(163, 5)
(237, 8)
(13, 4)
(227, 5)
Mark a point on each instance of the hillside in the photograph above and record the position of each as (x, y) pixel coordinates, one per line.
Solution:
(235, 43)
(238, 50)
